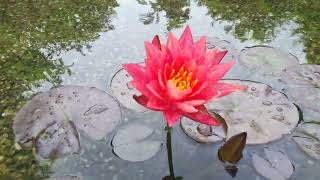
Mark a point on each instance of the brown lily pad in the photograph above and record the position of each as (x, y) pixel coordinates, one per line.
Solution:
(264, 113)
(58, 111)
(231, 151)
(266, 60)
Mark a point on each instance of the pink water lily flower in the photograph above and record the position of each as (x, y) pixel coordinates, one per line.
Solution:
(179, 77)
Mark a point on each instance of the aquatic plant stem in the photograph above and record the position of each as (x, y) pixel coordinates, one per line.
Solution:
(169, 151)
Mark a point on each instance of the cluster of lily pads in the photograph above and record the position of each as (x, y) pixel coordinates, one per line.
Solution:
(267, 110)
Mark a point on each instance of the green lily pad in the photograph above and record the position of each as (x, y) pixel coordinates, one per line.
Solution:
(303, 85)
(131, 143)
(201, 132)
(54, 112)
(122, 90)
(266, 60)
(278, 166)
(264, 113)
(307, 137)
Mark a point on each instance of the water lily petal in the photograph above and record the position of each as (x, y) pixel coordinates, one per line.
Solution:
(142, 88)
(200, 47)
(156, 104)
(174, 92)
(171, 117)
(136, 71)
(172, 43)
(218, 71)
(155, 89)
(156, 42)
(226, 88)
(186, 108)
(195, 102)
(202, 116)
(215, 56)
(186, 39)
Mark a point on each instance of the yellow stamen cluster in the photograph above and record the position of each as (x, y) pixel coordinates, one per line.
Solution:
(183, 79)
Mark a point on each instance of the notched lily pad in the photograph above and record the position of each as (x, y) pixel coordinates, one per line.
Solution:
(131, 143)
(89, 109)
(203, 133)
(214, 42)
(307, 136)
(277, 167)
(264, 113)
(266, 60)
(303, 85)
(122, 90)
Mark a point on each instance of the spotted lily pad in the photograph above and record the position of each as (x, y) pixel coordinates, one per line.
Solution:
(277, 167)
(203, 133)
(131, 143)
(91, 110)
(303, 85)
(308, 139)
(264, 113)
(266, 60)
(122, 90)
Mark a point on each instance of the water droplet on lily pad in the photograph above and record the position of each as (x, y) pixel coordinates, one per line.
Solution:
(123, 91)
(132, 143)
(245, 111)
(94, 112)
(266, 60)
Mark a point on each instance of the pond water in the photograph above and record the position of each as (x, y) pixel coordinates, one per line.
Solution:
(44, 44)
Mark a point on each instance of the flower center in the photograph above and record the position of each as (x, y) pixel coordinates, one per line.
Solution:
(183, 79)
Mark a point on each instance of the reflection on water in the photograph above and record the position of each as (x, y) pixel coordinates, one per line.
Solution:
(40, 39)
(32, 33)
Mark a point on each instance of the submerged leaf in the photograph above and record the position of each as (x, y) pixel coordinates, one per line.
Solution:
(266, 60)
(231, 151)
(130, 143)
(278, 166)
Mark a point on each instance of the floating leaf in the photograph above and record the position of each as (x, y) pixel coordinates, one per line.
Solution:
(264, 113)
(214, 42)
(58, 139)
(89, 109)
(231, 151)
(123, 91)
(308, 139)
(266, 60)
(303, 85)
(278, 166)
(130, 143)
(203, 133)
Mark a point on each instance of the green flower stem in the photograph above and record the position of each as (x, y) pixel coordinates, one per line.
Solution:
(169, 151)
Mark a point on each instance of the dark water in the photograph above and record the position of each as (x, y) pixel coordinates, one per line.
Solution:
(47, 43)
